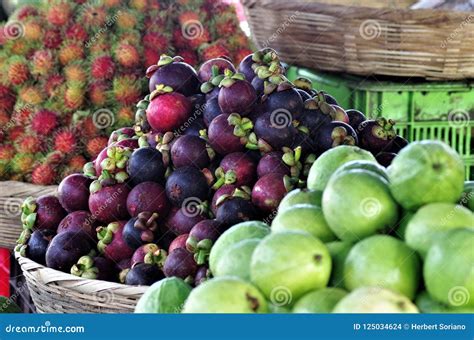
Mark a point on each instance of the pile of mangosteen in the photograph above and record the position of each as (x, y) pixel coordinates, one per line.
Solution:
(209, 149)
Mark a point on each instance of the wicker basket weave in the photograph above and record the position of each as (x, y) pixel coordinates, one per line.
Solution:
(12, 194)
(53, 291)
(366, 39)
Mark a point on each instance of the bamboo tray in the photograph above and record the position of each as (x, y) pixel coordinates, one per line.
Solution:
(53, 291)
(366, 39)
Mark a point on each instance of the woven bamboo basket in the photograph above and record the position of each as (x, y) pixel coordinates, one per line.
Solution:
(365, 38)
(53, 291)
(12, 194)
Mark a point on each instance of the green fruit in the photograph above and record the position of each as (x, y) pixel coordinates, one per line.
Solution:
(287, 265)
(357, 204)
(331, 160)
(467, 198)
(427, 305)
(400, 231)
(448, 270)
(7, 306)
(319, 301)
(300, 196)
(165, 296)
(364, 165)
(239, 232)
(383, 261)
(236, 260)
(225, 295)
(304, 217)
(375, 300)
(431, 222)
(426, 172)
(338, 251)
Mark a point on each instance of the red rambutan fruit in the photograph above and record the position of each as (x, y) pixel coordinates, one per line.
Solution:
(43, 174)
(44, 122)
(96, 145)
(103, 67)
(7, 98)
(65, 141)
(76, 32)
(52, 38)
(127, 55)
(58, 14)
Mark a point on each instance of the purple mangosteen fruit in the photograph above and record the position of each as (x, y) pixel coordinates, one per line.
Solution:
(178, 242)
(168, 110)
(143, 274)
(111, 242)
(65, 250)
(109, 203)
(79, 221)
(95, 268)
(234, 209)
(37, 245)
(230, 133)
(148, 196)
(313, 118)
(268, 192)
(334, 134)
(201, 239)
(112, 164)
(329, 99)
(146, 165)
(175, 73)
(259, 85)
(272, 162)
(397, 144)
(385, 158)
(236, 168)
(140, 230)
(181, 220)
(44, 212)
(376, 135)
(211, 111)
(285, 98)
(73, 192)
(236, 95)
(355, 118)
(219, 64)
(184, 183)
(180, 263)
(274, 130)
(191, 151)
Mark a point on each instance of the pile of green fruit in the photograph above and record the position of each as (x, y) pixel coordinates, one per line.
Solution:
(360, 239)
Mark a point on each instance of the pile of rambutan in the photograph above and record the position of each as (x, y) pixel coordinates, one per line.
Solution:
(70, 73)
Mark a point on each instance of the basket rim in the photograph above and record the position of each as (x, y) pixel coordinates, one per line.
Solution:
(24, 261)
(426, 15)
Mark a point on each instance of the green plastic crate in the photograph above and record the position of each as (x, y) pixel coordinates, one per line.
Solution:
(423, 110)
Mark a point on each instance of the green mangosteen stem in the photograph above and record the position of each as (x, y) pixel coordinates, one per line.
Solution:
(29, 205)
(242, 193)
(230, 177)
(143, 142)
(215, 81)
(89, 170)
(143, 104)
(95, 186)
(206, 87)
(159, 90)
(24, 237)
(304, 84)
(123, 275)
(263, 146)
(191, 244)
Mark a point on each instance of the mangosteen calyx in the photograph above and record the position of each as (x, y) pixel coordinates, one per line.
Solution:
(163, 146)
(157, 257)
(28, 213)
(147, 223)
(230, 78)
(243, 129)
(159, 90)
(303, 84)
(89, 170)
(85, 268)
(292, 159)
(214, 82)
(105, 235)
(201, 249)
(223, 177)
(164, 60)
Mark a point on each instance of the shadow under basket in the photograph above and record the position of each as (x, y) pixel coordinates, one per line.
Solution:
(53, 291)
(12, 195)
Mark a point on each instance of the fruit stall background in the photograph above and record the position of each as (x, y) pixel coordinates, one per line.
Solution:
(85, 101)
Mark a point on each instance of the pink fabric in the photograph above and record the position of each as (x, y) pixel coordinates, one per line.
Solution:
(4, 272)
